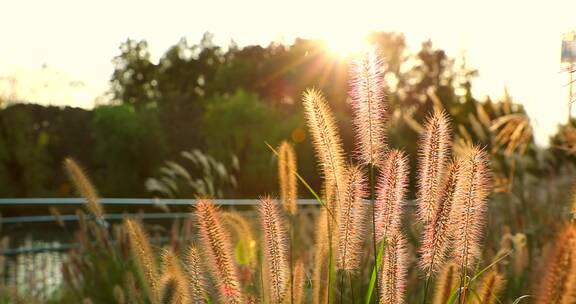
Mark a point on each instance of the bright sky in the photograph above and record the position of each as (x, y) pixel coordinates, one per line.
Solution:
(512, 43)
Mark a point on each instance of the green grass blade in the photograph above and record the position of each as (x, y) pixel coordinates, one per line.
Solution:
(374, 274)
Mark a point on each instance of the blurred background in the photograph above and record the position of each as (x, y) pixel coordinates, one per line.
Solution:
(178, 99)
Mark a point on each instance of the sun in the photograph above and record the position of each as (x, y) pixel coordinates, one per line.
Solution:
(345, 46)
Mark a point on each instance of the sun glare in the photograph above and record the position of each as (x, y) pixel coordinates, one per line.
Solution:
(346, 46)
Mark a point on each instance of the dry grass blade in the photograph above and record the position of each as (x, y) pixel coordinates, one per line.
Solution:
(218, 252)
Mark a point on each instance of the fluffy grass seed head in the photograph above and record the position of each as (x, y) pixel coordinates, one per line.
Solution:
(326, 140)
(367, 92)
(392, 185)
(195, 275)
(174, 285)
(438, 231)
(84, 187)
(490, 287)
(447, 283)
(287, 177)
(351, 220)
(145, 260)
(470, 203)
(393, 271)
(434, 155)
(275, 240)
(217, 250)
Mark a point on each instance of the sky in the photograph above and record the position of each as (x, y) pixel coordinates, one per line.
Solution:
(59, 52)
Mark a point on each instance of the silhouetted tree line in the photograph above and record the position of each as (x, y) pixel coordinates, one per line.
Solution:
(222, 101)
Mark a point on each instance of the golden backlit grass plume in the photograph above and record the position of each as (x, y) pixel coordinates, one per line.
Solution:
(84, 187)
(242, 233)
(393, 271)
(217, 250)
(392, 186)
(326, 140)
(470, 205)
(434, 155)
(275, 248)
(557, 285)
(321, 259)
(287, 177)
(351, 220)
(299, 281)
(447, 283)
(174, 285)
(367, 92)
(145, 260)
(437, 232)
(491, 286)
(195, 275)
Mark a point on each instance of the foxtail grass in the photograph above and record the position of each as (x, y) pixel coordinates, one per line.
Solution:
(393, 271)
(195, 276)
(367, 92)
(84, 187)
(434, 155)
(287, 178)
(446, 284)
(469, 213)
(275, 247)
(217, 249)
(392, 186)
(438, 231)
(559, 266)
(174, 285)
(491, 286)
(351, 221)
(144, 256)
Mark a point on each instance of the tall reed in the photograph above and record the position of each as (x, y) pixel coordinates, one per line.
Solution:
(218, 252)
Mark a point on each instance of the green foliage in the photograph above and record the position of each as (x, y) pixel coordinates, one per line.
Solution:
(129, 143)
